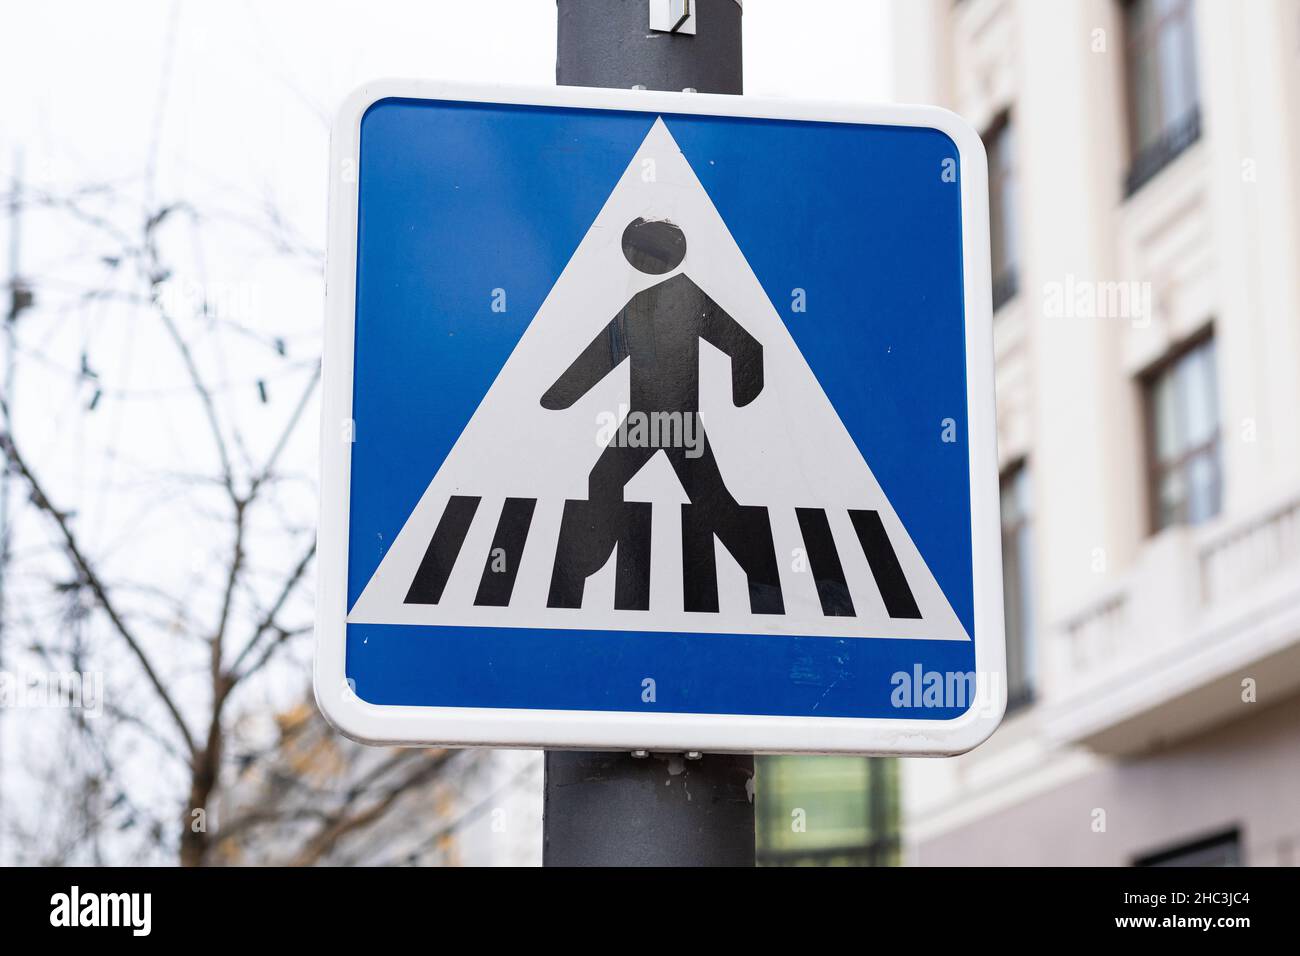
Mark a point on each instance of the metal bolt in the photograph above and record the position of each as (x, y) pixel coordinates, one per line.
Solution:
(640, 754)
(694, 755)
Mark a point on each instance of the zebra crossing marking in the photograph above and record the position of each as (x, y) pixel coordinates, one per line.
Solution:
(501, 565)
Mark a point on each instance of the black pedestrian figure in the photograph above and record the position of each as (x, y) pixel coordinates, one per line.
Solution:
(659, 333)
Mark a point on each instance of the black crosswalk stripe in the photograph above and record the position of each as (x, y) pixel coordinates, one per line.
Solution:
(824, 560)
(578, 556)
(432, 574)
(885, 568)
(502, 565)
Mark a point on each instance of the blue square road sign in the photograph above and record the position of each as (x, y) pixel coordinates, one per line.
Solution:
(657, 421)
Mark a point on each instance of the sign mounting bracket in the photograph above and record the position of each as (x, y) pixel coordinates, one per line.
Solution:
(673, 16)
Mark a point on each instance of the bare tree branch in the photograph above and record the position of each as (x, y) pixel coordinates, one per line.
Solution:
(91, 579)
(340, 824)
(268, 620)
(285, 434)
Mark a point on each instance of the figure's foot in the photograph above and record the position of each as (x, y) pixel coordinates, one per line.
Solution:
(746, 533)
(589, 534)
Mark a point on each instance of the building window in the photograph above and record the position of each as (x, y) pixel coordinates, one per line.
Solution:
(1017, 584)
(1164, 114)
(1000, 144)
(1222, 849)
(827, 811)
(1183, 437)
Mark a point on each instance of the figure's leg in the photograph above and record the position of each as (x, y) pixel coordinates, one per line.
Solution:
(632, 571)
(589, 533)
(590, 530)
(744, 529)
(616, 466)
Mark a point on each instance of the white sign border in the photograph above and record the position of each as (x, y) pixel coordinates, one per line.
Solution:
(657, 730)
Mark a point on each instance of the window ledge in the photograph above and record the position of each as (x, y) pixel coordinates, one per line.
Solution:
(1005, 287)
(1150, 161)
(1020, 700)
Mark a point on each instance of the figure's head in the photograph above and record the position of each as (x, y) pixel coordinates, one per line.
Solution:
(654, 246)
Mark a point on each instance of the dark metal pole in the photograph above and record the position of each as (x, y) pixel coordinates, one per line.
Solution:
(609, 43)
(621, 809)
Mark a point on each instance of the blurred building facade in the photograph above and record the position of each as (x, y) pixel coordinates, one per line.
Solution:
(826, 811)
(1145, 214)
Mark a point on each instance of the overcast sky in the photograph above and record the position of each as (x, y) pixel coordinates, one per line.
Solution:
(237, 94)
(225, 105)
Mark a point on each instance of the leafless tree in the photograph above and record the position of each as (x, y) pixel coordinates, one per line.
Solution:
(182, 568)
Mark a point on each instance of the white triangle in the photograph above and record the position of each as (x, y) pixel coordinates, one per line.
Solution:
(786, 449)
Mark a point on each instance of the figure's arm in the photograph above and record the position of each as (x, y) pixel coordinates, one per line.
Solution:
(602, 356)
(725, 333)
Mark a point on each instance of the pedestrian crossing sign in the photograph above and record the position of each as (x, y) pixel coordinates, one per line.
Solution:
(657, 421)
